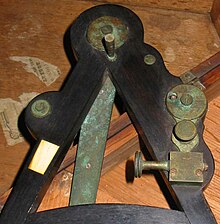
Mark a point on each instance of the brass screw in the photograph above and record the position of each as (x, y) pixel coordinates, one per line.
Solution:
(149, 59)
(186, 99)
(172, 96)
(173, 172)
(199, 172)
(206, 166)
(40, 108)
(88, 165)
(140, 165)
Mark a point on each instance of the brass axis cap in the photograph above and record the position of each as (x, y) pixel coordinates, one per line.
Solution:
(107, 25)
(186, 102)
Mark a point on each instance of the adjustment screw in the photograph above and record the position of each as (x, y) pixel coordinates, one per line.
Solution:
(149, 59)
(40, 108)
(140, 165)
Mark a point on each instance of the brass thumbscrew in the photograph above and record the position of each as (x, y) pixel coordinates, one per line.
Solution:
(140, 165)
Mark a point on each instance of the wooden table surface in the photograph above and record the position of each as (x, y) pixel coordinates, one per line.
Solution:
(39, 29)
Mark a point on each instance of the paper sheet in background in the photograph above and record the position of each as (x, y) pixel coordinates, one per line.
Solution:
(45, 71)
(10, 110)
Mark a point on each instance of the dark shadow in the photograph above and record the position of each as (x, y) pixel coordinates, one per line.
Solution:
(129, 171)
(119, 104)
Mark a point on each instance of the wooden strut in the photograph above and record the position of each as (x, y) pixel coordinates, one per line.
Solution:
(70, 106)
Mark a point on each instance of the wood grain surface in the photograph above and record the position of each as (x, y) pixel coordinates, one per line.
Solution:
(40, 29)
(215, 15)
(202, 6)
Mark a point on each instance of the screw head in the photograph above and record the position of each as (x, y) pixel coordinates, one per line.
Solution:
(40, 108)
(88, 165)
(186, 99)
(173, 172)
(206, 166)
(199, 172)
(149, 59)
(173, 96)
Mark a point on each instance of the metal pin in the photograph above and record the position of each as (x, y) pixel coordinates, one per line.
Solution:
(110, 45)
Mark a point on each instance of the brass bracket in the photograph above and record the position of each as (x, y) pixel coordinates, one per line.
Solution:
(186, 167)
(190, 78)
(183, 167)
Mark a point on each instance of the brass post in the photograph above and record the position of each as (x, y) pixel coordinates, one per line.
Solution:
(110, 45)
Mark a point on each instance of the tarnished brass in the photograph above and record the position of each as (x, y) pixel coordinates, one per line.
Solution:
(185, 130)
(186, 167)
(149, 59)
(186, 99)
(187, 77)
(190, 78)
(140, 165)
(40, 108)
(185, 146)
(105, 25)
(186, 102)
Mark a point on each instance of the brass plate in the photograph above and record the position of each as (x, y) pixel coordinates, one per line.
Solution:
(104, 25)
(191, 108)
(186, 167)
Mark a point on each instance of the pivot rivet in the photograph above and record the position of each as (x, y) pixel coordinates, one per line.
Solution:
(40, 108)
(149, 59)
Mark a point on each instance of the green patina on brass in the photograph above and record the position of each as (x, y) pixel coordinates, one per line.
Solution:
(40, 108)
(149, 59)
(186, 102)
(103, 26)
(90, 152)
